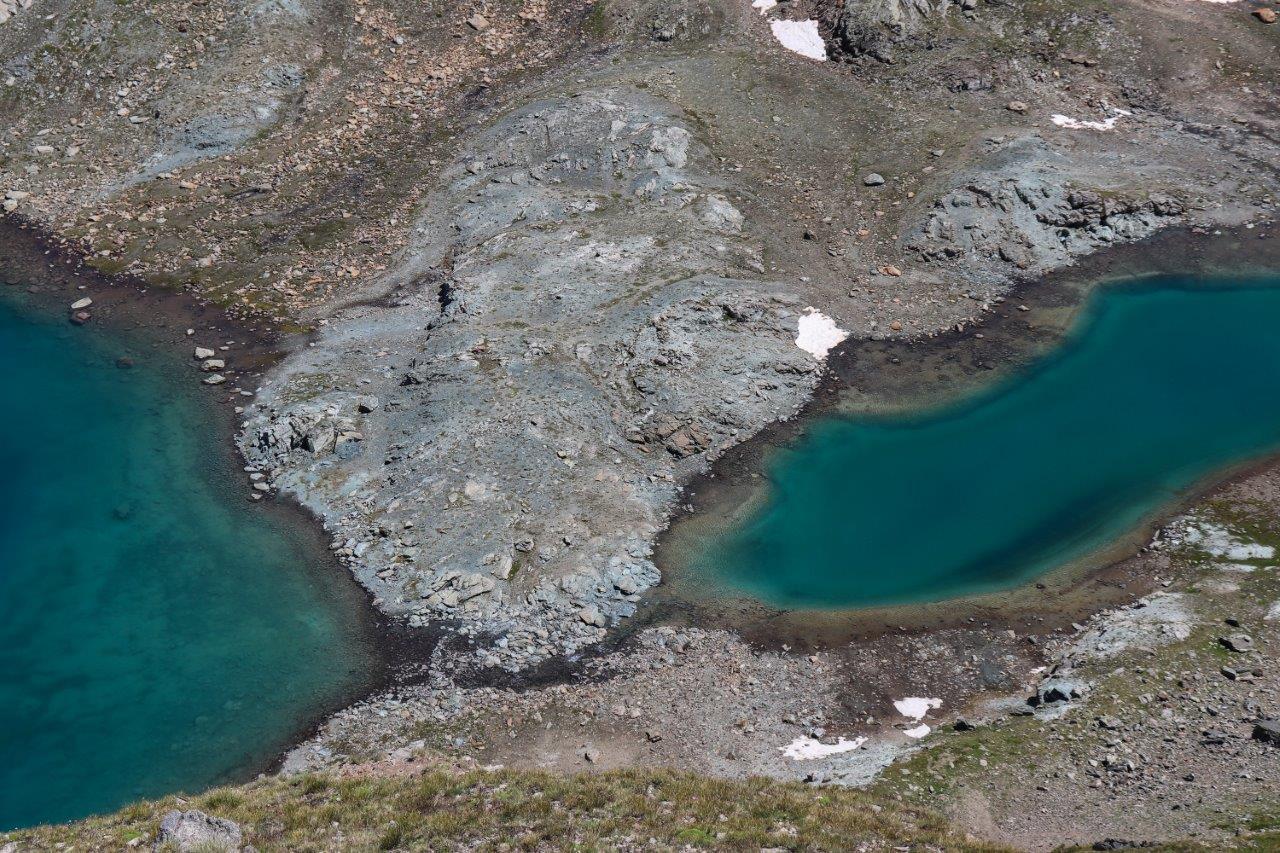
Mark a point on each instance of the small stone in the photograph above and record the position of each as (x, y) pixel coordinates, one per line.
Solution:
(1016, 107)
(1267, 16)
(79, 318)
(81, 303)
(202, 353)
(874, 179)
(215, 379)
(591, 755)
(478, 22)
(212, 365)
(592, 616)
(896, 326)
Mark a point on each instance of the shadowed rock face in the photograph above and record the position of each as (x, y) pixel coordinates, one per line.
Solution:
(570, 342)
(873, 27)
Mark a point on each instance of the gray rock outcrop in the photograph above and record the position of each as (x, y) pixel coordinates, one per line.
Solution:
(194, 830)
(570, 339)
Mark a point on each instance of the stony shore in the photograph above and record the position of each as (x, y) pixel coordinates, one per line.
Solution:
(551, 264)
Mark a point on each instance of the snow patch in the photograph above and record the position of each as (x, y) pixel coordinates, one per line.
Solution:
(817, 333)
(766, 5)
(1273, 613)
(807, 748)
(918, 732)
(915, 707)
(1083, 124)
(800, 37)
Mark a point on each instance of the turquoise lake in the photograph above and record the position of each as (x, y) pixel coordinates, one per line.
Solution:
(158, 632)
(1162, 383)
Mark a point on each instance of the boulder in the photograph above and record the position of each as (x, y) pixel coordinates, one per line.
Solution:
(1237, 643)
(592, 616)
(195, 830)
(1267, 731)
(1059, 690)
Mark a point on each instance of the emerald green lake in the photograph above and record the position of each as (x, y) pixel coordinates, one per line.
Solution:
(158, 632)
(1162, 383)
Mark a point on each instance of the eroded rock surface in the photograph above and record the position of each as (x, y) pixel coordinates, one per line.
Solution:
(570, 341)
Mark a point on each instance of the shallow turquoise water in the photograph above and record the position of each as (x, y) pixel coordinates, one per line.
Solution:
(157, 632)
(1162, 383)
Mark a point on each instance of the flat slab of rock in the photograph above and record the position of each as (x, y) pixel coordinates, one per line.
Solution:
(1267, 731)
(195, 830)
(1237, 642)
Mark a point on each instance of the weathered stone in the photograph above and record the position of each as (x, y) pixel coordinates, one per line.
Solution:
(195, 830)
(1267, 731)
(1237, 643)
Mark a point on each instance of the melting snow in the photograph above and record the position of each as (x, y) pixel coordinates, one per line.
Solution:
(1080, 124)
(800, 37)
(766, 5)
(807, 748)
(915, 707)
(818, 333)
(1274, 613)
(918, 732)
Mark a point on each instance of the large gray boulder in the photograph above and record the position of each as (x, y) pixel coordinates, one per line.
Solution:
(195, 830)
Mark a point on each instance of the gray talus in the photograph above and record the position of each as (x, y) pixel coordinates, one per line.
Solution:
(569, 342)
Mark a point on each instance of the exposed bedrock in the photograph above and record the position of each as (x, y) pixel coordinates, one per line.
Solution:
(874, 27)
(1036, 209)
(571, 341)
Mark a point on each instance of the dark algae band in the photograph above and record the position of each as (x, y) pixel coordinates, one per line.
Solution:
(1161, 383)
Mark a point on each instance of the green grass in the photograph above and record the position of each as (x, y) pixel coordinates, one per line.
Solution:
(440, 810)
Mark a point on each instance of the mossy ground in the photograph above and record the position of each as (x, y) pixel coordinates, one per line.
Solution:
(526, 810)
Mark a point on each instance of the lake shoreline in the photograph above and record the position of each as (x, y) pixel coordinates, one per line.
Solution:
(879, 376)
(38, 275)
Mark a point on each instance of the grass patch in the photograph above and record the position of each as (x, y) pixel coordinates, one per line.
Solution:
(445, 810)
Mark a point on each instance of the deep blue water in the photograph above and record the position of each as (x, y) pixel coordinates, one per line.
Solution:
(157, 632)
(1162, 383)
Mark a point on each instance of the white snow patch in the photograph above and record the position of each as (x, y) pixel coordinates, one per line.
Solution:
(766, 5)
(1273, 613)
(918, 732)
(915, 707)
(1083, 124)
(800, 37)
(807, 748)
(1216, 541)
(817, 333)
